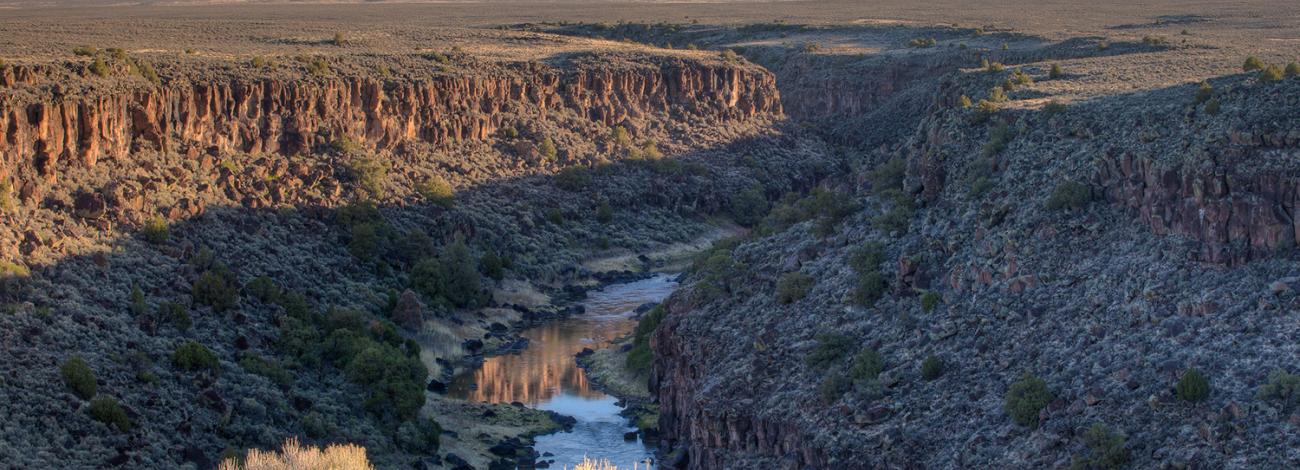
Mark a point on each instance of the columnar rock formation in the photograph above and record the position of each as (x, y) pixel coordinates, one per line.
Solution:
(42, 135)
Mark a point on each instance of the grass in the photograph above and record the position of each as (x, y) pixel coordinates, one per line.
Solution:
(294, 456)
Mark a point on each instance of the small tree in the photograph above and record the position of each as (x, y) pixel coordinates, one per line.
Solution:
(1069, 195)
(193, 356)
(1026, 398)
(931, 367)
(79, 378)
(1106, 450)
(1192, 387)
(1252, 64)
(156, 231)
(106, 410)
(438, 191)
(793, 286)
(1056, 72)
(547, 149)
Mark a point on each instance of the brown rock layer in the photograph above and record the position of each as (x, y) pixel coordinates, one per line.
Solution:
(1231, 218)
(270, 116)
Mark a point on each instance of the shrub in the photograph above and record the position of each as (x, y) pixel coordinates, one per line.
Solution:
(99, 67)
(339, 40)
(452, 278)
(980, 186)
(547, 149)
(929, 300)
(1212, 107)
(394, 381)
(1053, 108)
(650, 150)
(867, 365)
(314, 425)
(749, 206)
(216, 289)
(965, 102)
(1106, 450)
(1252, 64)
(175, 314)
(830, 348)
(1271, 73)
(620, 137)
(156, 231)
(1283, 387)
(1021, 78)
(147, 71)
(1204, 92)
(1292, 70)
(870, 289)
(437, 190)
(318, 67)
(993, 67)
(931, 367)
(1192, 387)
(256, 364)
(85, 51)
(1155, 40)
(369, 173)
(729, 55)
(79, 378)
(420, 435)
(365, 242)
(192, 356)
(1026, 398)
(106, 410)
(263, 288)
(573, 178)
(922, 42)
(888, 175)
(833, 386)
(1069, 195)
(259, 62)
(867, 258)
(792, 287)
(6, 190)
(1056, 72)
(639, 357)
(492, 265)
(604, 212)
(1000, 136)
(139, 306)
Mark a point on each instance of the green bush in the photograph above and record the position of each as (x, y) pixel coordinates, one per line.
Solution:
(216, 288)
(965, 102)
(263, 288)
(1155, 40)
(139, 306)
(888, 176)
(833, 386)
(437, 190)
(867, 365)
(1053, 108)
(1282, 386)
(156, 231)
(369, 173)
(1000, 135)
(1069, 195)
(792, 287)
(1026, 398)
(992, 67)
(547, 149)
(1271, 73)
(79, 378)
(259, 62)
(256, 364)
(1292, 70)
(175, 314)
(931, 367)
(394, 381)
(749, 206)
(365, 242)
(604, 212)
(452, 278)
(867, 258)
(1106, 450)
(922, 42)
(1252, 64)
(573, 178)
(420, 435)
(492, 265)
(1056, 72)
(99, 67)
(1204, 92)
(106, 410)
(639, 358)
(192, 356)
(930, 300)
(1212, 107)
(870, 288)
(85, 51)
(1019, 77)
(1192, 387)
(830, 349)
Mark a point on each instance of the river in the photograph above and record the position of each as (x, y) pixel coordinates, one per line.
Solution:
(545, 376)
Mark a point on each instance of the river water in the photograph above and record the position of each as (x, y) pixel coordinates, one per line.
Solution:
(545, 376)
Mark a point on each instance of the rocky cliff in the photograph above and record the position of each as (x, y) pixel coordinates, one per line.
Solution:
(40, 136)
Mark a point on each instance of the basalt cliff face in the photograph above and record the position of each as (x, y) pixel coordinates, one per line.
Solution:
(290, 117)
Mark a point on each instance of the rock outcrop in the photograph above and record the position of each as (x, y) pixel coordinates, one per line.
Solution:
(291, 117)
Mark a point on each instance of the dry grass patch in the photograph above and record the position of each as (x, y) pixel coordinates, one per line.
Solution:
(294, 456)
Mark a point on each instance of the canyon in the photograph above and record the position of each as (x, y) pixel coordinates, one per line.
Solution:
(342, 225)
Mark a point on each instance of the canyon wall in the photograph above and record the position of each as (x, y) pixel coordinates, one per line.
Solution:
(40, 136)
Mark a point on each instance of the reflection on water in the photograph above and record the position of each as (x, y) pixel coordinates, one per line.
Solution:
(545, 376)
